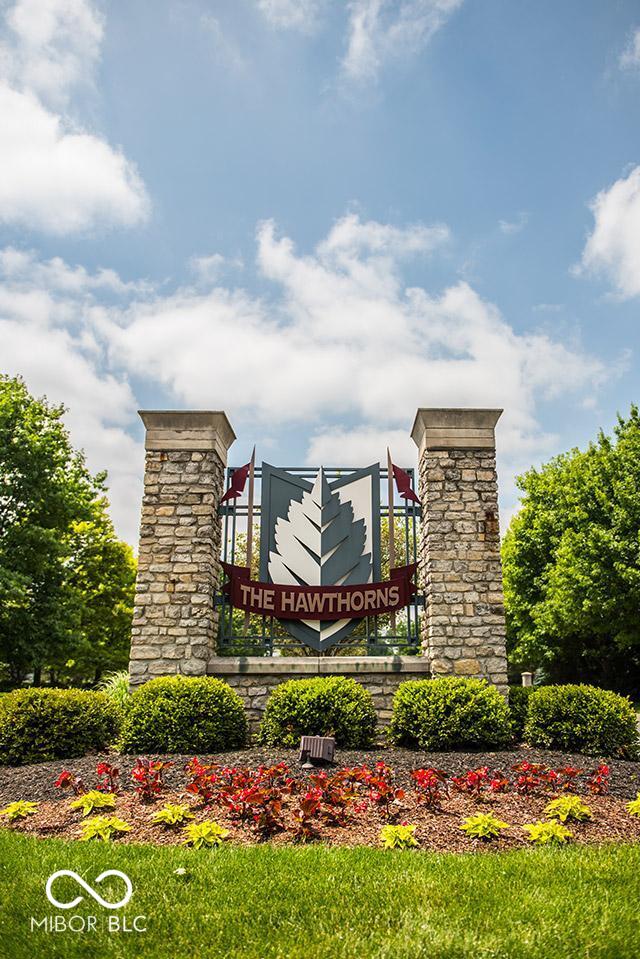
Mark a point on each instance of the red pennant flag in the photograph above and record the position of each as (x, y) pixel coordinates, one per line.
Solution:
(403, 483)
(238, 482)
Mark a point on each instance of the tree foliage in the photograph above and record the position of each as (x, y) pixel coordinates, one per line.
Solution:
(572, 564)
(66, 581)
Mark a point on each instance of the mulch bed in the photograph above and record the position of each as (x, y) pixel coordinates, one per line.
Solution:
(436, 830)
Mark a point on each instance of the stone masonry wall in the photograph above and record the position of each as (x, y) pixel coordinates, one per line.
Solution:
(175, 621)
(254, 678)
(464, 626)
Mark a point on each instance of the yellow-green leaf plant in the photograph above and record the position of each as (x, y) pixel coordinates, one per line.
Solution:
(398, 837)
(204, 834)
(551, 832)
(19, 809)
(483, 826)
(172, 814)
(567, 808)
(94, 799)
(103, 828)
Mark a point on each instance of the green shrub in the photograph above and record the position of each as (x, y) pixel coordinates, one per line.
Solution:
(176, 714)
(449, 713)
(519, 707)
(41, 724)
(581, 719)
(322, 706)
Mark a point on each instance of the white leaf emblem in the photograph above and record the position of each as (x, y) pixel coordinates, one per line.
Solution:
(320, 544)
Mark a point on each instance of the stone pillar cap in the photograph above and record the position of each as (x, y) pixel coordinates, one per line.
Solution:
(174, 430)
(455, 428)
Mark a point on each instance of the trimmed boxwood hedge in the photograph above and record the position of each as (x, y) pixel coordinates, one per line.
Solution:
(583, 719)
(322, 706)
(449, 713)
(519, 707)
(179, 714)
(40, 724)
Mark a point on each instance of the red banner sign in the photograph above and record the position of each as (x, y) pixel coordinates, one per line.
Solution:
(326, 603)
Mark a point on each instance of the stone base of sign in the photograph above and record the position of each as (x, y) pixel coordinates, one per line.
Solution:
(459, 559)
(254, 677)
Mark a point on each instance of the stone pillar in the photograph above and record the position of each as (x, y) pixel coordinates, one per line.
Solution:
(174, 620)
(459, 561)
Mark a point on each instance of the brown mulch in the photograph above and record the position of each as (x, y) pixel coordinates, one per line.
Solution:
(36, 781)
(436, 830)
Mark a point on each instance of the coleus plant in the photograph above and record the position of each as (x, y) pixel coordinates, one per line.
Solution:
(305, 815)
(381, 789)
(19, 809)
(398, 836)
(337, 794)
(473, 781)
(103, 828)
(94, 799)
(566, 778)
(108, 777)
(204, 834)
(598, 782)
(69, 780)
(483, 826)
(542, 833)
(148, 777)
(172, 814)
(430, 784)
(201, 779)
(567, 807)
(534, 777)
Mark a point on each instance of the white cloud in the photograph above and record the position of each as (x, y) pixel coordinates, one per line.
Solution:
(23, 267)
(360, 446)
(630, 57)
(54, 176)
(345, 339)
(386, 30)
(613, 248)
(514, 226)
(51, 46)
(209, 269)
(342, 352)
(292, 14)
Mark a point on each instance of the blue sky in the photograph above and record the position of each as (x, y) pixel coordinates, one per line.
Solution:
(319, 215)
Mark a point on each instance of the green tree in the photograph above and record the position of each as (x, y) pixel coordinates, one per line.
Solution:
(572, 564)
(66, 583)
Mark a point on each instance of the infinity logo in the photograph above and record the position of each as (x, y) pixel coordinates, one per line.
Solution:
(92, 892)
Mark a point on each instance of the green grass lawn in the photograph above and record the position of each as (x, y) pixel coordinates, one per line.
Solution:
(314, 902)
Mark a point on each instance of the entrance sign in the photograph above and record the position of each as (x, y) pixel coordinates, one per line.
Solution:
(331, 603)
(315, 600)
(320, 540)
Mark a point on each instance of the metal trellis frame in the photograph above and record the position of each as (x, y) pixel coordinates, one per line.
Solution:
(240, 635)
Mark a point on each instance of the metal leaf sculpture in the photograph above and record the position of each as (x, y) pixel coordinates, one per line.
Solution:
(320, 544)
